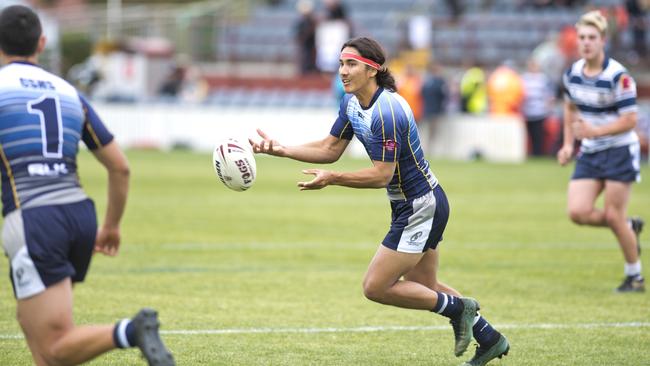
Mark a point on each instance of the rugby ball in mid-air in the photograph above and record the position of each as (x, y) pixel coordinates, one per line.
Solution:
(234, 164)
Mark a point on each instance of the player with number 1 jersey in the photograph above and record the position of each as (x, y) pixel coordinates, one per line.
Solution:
(49, 229)
(42, 119)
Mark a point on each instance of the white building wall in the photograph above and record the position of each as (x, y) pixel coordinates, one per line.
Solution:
(200, 127)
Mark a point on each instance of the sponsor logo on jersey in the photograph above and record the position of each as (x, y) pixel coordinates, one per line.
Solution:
(390, 145)
(626, 82)
(47, 170)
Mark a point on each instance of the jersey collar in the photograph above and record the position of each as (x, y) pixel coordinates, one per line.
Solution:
(22, 63)
(374, 98)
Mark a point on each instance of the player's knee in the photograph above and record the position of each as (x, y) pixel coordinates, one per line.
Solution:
(54, 357)
(56, 354)
(373, 291)
(578, 215)
(613, 217)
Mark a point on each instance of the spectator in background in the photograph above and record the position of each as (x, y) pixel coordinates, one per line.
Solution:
(551, 60)
(568, 43)
(171, 86)
(637, 9)
(409, 85)
(86, 75)
(537, 105)
(305, 33)
(617, 20)
(434, 98)
(194, 88)
(336, 10)
(331, 33)
(456, 9)
(473, 97)
(505, 90)
(420, 33)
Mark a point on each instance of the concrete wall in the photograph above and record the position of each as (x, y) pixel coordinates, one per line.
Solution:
(199, 127)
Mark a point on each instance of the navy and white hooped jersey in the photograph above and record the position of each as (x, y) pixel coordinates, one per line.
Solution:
(388, 132)
(42, 119)
(601, 100)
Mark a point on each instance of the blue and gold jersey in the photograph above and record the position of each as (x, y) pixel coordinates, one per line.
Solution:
(388, 132)
(42, 120)
(601, 100)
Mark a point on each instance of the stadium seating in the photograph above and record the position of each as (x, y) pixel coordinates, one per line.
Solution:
(485, 33)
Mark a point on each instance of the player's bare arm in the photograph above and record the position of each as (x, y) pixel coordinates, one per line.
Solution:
(112, 158)
(583, 129)
(378, 176)
(327, 150)
(566, 151)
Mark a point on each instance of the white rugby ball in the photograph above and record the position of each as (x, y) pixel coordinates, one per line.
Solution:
(234, 164)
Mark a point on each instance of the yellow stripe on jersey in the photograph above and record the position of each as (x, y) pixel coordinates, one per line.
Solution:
(343, 130)
(417, 165)
(399, 176)
(383, 133)
(392, 113)
(91, 130)
(10, 174)
(93, 134)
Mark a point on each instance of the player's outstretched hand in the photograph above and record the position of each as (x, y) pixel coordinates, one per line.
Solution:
(321, 179)
(108, 241)
(267, 145)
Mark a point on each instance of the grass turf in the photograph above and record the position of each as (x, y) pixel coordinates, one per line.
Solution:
(274, 257)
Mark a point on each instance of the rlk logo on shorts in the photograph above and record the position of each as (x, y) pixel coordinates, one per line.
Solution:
(412, 240)
(20, 272)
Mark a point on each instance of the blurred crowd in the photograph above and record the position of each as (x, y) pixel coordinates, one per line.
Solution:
(525, 92)
(529, 90)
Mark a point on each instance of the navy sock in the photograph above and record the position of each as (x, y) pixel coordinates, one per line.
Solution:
(448, 305)
(484, 334)
(124, 334)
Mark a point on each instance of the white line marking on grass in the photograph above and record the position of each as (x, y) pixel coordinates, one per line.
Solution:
(388, 328)
(399, 328)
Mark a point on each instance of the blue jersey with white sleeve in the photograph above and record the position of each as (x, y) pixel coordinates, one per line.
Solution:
(388, 132)
(42, 120)
(601, 100)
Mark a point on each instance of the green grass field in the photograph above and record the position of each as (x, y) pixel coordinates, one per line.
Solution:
(272, 276)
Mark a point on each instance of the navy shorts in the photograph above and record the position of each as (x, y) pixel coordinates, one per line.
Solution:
(621, 164)
(46, 244)
(417, 224)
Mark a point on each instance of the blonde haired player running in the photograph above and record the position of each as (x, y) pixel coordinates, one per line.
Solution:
(600, 110)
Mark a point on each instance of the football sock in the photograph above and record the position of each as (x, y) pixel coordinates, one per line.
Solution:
(633, 269)
(124, 334)
(448, 305)
(484, 334)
